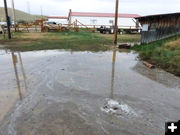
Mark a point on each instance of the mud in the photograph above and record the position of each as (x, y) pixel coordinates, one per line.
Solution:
(76, 93)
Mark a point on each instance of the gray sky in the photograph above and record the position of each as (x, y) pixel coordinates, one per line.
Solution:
(61, 7)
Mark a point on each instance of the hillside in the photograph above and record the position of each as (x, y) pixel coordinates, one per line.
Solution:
(20, 15)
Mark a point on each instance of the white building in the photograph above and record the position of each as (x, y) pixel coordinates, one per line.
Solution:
(90, 19)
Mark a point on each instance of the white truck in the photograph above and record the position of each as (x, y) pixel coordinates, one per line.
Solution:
(4, 24)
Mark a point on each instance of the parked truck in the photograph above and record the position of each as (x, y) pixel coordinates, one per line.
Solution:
(53, 26)
(107, 30)
(110, 30)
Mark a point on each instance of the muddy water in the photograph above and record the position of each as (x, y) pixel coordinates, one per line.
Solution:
(76, 93)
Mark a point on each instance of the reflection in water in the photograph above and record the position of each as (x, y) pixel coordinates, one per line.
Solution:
(112, 75)
(22, 69)
(14, 58)
(15, 61)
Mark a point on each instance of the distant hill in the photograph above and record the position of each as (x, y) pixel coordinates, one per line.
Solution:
(20, 15)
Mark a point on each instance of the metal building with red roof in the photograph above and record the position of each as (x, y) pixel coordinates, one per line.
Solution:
(125, 21)
(94, 19)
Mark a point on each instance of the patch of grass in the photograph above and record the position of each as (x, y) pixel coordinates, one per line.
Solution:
(164, 53)
(76, 41)
(124, 38)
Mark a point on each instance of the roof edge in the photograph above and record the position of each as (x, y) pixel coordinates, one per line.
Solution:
(157, 15)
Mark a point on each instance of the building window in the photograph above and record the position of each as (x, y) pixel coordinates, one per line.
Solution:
(111, 21)
(145, 27)
(93, 21)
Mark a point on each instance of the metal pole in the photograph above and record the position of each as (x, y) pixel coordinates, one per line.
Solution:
(14, 15)
(116, 22)
(7, 19)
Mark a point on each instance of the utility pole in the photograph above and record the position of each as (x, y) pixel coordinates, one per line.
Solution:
(14, 15)
(41, 12)
(7, 19)
(28, 10)
(116, 22)
(28, 7)
(70, 18)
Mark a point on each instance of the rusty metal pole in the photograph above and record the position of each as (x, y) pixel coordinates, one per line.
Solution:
(7, 19)
(116, 22)
(14, 15)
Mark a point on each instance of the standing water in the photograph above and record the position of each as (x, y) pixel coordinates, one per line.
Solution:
(60, 92)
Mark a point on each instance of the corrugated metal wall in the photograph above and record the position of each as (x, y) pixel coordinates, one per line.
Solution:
(160, 27)
(150, 36)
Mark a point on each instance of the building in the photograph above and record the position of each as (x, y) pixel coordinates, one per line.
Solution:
(157, 27)
(90, 19)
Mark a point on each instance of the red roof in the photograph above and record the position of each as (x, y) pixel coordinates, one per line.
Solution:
(89, 14)
(57, 17)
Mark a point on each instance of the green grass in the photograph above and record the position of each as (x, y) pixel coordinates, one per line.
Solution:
(76, 41)
(164, 53)
(124, 38)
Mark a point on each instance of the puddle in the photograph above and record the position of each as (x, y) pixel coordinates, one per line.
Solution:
(76, 93)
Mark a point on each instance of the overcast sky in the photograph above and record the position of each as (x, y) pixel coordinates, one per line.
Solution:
(61, 7)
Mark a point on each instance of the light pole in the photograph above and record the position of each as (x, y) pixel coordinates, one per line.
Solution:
(41, 12)
(116, 22)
